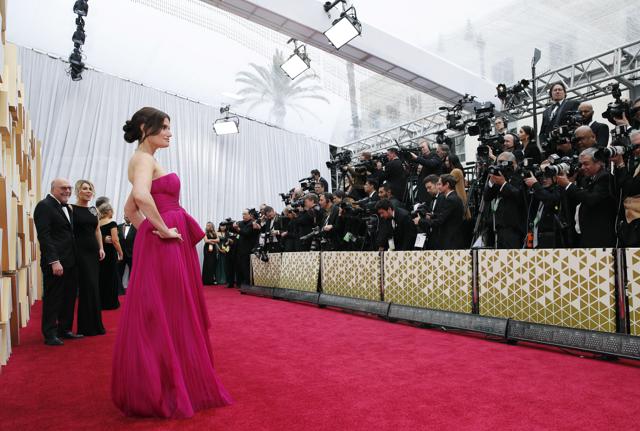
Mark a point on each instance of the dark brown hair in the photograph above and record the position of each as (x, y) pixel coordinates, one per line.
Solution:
(153, 120)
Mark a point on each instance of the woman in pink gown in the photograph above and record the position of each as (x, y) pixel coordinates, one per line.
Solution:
(163, 362)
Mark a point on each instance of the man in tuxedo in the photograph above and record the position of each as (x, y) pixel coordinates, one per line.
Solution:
(431, 165)
(400, 232)
(447, 217)
(329, 221)
(505, 193)
(248, 233)
(585, 138)
(600, 130)
(126, 235)
(596, 206)
(315, 175)
(557, 113)
(385, 192)
(54, 223)
(395, 175)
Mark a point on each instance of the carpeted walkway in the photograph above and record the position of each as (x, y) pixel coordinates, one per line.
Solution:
(296, 367)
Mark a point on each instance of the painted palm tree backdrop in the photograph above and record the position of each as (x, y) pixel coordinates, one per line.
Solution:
(268, 85)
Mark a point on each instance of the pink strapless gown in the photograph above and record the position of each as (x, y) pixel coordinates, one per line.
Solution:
(162, 362)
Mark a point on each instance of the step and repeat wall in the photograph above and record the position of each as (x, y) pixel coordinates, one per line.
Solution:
(572, 288)
(20, 190)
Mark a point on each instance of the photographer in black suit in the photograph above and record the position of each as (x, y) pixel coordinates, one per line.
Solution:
(127, 235)
(395, 175)
(628, 180)
(400, 233)
(316, 178)
(432, 164)
(596, 206)
(248, 233)
(447, 217)
(54, 223)
(330, 225)
(556, 113)
(600, 130)
(505, 195)
(309, 218)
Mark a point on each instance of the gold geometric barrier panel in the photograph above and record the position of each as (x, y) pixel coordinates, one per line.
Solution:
(299, 271)
(440, 280)
(633, 288)
(354, 274)
(563, 287)
(266, 274)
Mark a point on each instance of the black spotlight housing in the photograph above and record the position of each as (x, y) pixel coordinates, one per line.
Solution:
(78, 37)
(81, 7)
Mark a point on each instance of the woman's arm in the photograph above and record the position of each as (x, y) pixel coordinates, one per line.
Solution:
(132, 212)
(141, 178)
(99, 239)
(116, 242)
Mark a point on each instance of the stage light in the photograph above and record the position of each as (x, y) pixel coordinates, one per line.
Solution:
(81, 8)
(502, 91)
(78, 37)
(345, 28)
(299, 61)
(76, 57)
(226, 125)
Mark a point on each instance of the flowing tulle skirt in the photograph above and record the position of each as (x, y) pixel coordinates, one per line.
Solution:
(163, 362)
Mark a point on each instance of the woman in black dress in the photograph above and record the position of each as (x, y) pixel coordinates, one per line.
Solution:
(89, 252)
(530, 148)
(223, 248)
(210, 253)
(110, 282)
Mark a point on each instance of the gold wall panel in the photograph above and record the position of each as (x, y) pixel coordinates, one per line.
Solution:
(299, 271)
(266, 274)
(633, 288)
(355, 274)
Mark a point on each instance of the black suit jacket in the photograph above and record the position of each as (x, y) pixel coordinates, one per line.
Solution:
(447, 221)
(247, 237)
(601, 131)
(404, 234)
(511, 209)
(395, 175)
(560, 118)
(55, 234)
(597, 213)
(127, 243)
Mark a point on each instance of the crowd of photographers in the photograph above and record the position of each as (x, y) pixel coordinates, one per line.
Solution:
(575, 185)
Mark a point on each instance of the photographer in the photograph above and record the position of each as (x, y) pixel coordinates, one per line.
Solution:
(318, 188)
(556, 114)
(316, 178)
(628, 181)
(290, 235)
(547, 221)
(308, 219)
(395, 175)
(505, 194)
(270, 232)
(248, 233)
(584, 138)
(447, 217)
(385, 192)
(432, 164)
(399, 232)
(330, 225)
(370, 187)
(600, 130)
(359, 174)
(596, 210)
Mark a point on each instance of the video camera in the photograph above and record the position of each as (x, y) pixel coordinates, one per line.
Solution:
(502, 167)
(340, 159)
(618, 107)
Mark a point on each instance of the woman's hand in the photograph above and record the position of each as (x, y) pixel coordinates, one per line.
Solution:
(169, 234)
(101, 254)
(120, 256)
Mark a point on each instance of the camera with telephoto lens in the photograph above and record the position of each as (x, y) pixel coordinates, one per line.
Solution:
(567, 166)
(618, 107)
(530, 169)
(482, 127)
(502, 167)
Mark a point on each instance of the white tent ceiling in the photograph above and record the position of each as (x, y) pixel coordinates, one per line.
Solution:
(191, 48)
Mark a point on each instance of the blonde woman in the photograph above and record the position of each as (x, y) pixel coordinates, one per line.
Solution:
(89, 253)
(460, 191)
(110, 282)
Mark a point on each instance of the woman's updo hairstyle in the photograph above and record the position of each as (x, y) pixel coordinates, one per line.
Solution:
(151, 119)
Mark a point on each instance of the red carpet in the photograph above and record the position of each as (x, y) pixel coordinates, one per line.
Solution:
(296, 367)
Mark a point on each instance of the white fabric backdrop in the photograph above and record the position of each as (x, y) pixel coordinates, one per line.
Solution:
(80, 125)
